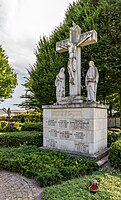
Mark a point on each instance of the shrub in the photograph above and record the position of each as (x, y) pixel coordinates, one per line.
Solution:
(115, 154)
(9, 126)
(17, 126)
(113, 136)
(13, 127)
(32, 127)
(29, 117)
(3, 126)
(49, 178)
(16, 139)
(117, 114)
(3, 118)
(48, 167)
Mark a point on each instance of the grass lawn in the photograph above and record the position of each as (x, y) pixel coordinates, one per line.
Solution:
(109, 182)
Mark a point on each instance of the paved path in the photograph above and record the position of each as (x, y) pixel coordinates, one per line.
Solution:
(16, 187)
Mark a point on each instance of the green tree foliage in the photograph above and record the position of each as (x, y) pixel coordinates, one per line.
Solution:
(8, 79)
(104, 17)
(40, 87)
(30, 102)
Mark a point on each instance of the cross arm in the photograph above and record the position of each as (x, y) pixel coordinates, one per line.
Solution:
(62, 46)
(87, 38)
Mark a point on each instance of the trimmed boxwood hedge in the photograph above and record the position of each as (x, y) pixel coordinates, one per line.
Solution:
(32, 127)
(17, 126)
(48, 167)
(115, 154)
(16, 139)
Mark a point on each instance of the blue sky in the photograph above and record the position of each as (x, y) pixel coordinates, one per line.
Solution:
(22, 22)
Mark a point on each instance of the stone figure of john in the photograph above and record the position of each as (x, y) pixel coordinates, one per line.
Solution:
(91, 81)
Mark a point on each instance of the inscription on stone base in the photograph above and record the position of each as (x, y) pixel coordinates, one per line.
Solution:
(65, 135)
(51, 143)
(81, 147)
(79, 125)
(63, 124)
(79, 135)
(52, 122)
(53, 132)
(69, 124)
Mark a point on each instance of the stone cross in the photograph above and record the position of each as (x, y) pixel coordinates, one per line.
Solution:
(73, 46)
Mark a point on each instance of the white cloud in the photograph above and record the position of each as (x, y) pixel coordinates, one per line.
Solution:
(21, 24)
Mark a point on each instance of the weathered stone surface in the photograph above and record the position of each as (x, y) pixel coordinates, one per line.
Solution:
(91, 81)
(73, 46)
(75, 128)
(60, 84)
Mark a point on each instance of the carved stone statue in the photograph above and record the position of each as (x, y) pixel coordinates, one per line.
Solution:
(91, 81)
(72, 48)
(60, 84)
(73, 45)
(75, 32)
(72, 63)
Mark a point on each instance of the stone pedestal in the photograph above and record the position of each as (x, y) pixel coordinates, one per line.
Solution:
(76, 128)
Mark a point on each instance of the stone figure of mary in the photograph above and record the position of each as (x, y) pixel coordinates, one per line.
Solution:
(91, 81)
(60, 84)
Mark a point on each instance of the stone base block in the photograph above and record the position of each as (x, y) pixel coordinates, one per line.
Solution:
(78, 128)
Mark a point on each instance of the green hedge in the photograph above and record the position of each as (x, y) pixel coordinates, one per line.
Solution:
(48, 167)
(32, 127)
(16, 139)
(115, 154)
(11, 126)
(17, 126)
(29, 117)
(3, 125)
(113, 136)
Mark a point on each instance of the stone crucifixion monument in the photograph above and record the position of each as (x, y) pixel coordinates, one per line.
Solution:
(72, 124)
(73, 46)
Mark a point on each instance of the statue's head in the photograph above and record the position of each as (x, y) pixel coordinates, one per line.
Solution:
(91, 64)
(62, 69)
(73, 24)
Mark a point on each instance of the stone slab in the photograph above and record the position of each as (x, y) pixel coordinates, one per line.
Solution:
(77, 105)
(102, 161)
